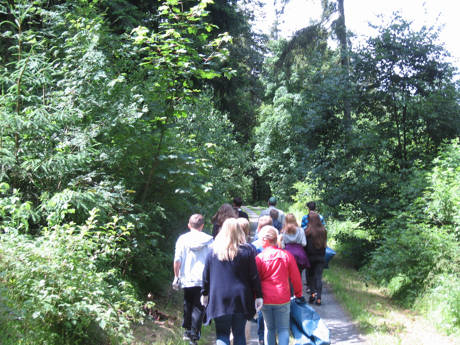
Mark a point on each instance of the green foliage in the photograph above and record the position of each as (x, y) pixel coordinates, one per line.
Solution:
(309, 190)
(441, 302)
(220, 159)
(418, 250)
(352, 242)
(238, 96)
(14, 213)
(300, 122)
(402, 97)
(62, 288)
(443, 192)
(407, 91)
(93, 115)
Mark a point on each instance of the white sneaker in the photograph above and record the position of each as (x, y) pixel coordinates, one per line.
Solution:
(186, 335)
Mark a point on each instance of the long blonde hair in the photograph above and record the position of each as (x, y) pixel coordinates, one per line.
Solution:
(228, 240)
(290, 224)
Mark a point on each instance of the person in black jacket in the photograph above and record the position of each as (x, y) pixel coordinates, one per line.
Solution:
(231, 285)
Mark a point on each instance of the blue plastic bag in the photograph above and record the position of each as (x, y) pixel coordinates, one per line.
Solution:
(328, 256)
(306, 325)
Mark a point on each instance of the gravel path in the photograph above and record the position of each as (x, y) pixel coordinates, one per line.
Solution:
(341, 328)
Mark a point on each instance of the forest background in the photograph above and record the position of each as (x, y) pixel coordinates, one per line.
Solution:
(120, 118)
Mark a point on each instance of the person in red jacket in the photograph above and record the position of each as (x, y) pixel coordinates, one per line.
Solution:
(276, 267)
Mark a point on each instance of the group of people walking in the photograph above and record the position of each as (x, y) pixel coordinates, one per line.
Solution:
(228, 279)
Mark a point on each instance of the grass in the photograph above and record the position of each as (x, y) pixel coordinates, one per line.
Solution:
(165, 327)
(381, 321)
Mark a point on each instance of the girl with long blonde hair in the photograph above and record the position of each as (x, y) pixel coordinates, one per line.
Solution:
(228, 240)
(231, 284)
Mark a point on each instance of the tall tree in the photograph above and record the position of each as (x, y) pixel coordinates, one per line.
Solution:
(240, 95)
(341, 32)
(406, 87)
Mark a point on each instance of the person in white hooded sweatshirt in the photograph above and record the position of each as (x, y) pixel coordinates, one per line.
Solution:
(190, 255)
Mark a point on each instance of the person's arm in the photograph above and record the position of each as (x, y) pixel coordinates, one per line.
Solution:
(177, 264)
(294, 275)
(254, 275)
(259, 266)
(178, 256)
(177, 268)
(206, 275)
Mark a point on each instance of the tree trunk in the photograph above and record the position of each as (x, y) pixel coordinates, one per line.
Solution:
(341, 32)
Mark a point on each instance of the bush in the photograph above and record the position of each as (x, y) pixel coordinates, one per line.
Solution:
(352, 243)
(405, 259)
(418, 258)
(59, 288)
(441, 302)
(442, 195)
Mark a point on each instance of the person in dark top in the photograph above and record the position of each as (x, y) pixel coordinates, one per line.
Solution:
(231, 285)
(237, 203)
(224, 212)
(316, 249)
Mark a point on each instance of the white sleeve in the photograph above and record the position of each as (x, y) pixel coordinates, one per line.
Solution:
(178, 253)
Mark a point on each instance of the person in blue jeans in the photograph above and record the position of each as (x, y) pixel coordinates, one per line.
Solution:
(263, 221)
(231, 285)
(277, 268)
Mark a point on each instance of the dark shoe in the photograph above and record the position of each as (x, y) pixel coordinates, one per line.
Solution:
(194, 336)
(312, 298)
(318, 301)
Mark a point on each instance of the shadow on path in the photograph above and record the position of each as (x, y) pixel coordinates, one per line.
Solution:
(341, 328)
